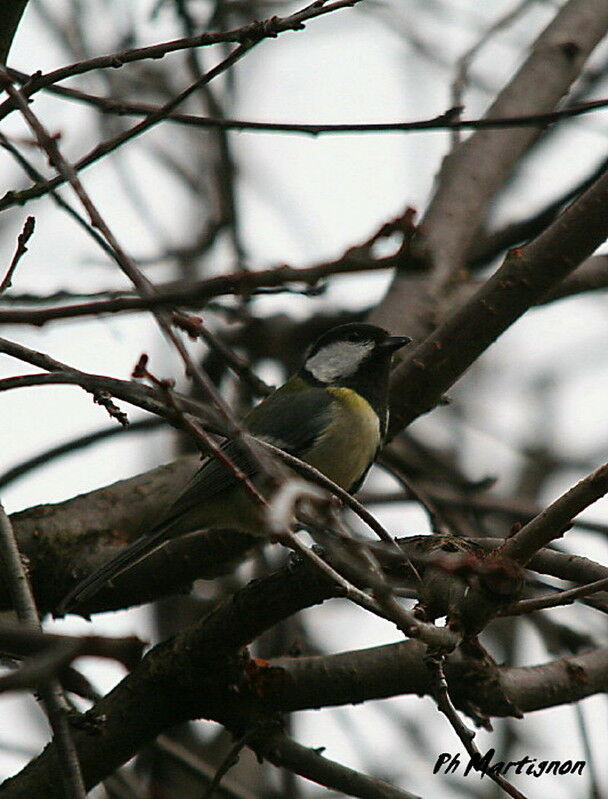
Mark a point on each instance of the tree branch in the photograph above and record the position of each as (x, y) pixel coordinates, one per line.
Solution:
(12, 11)
(552, 522)
(526, 276)
(198, 675)
(485, 160)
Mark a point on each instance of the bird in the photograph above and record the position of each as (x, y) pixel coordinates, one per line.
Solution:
(332, 414)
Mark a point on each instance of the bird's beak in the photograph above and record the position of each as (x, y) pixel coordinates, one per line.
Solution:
(394, 343)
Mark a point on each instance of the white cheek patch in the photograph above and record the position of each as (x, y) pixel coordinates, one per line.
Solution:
(338, 360)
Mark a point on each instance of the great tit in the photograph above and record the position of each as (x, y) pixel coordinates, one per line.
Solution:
(332, 414)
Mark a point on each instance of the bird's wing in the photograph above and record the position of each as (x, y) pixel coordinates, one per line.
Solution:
(289, 419)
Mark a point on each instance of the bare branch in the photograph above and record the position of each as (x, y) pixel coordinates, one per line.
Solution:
(448, 120)
(48, 656)
(484, 161)
(247, 35)
(525, 277)
(195, 294)
(22, 240)
(555, 600)
(281, 750)
(188, 678)
(27, 614)
(127, 390)
(73, 445)
(444, 703)
(551, 523)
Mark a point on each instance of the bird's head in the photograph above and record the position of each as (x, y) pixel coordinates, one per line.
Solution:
(351, 353)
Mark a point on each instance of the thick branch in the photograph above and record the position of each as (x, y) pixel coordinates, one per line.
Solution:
(526, 276)
(551, 523)
(11, 12)
(473, 173)
(198, 674)
(483, 162)
(67, 541)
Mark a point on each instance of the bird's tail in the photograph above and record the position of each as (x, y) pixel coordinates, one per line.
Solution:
(95, 581)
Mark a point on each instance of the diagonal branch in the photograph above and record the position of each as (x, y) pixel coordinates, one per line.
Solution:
(551, 522)
(526, 276)
(485, 160)
(249, 34)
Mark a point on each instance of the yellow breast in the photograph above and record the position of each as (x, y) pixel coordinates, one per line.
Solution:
(349, 444)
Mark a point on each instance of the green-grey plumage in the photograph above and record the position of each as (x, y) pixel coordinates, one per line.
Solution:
(278, 420)
(332, 415)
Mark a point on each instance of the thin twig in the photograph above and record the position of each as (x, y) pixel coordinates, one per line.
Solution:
(141, 283)
(238, 365)
(554, 600)
(134, 393)
(461, 78)
(320, 479)
(554, 520)
(447, 120)
(27, 614)
(230, 760)
(22, 240)
(249, 34)
(200, 767)
(254, 34)
(73, 445)
(34, 174)
(444, 703)
(281, 750)
(516, 509)
(196, 294)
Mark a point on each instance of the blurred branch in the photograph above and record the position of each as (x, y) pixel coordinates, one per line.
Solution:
(47, 656)
(194, 294)
(519, 510)
(484, 161)
(248, 35)
(144, 287)
(591, 275)
(229, 788)
(23, 602)
(283, 751)
(73, 445)
(461, 78)
(558, 599)
(223, 163)
(10, 16)
(491, 245)
(33, 173)
(472, 173)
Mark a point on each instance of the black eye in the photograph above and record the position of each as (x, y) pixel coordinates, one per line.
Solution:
(353, 337)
